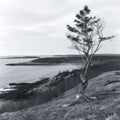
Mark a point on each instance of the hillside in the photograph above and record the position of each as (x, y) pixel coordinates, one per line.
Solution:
(106, 88)
(26, 95)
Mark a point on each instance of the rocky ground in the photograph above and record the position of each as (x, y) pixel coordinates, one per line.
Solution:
(105, 87)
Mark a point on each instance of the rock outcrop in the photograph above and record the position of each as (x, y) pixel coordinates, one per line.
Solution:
(106, 88)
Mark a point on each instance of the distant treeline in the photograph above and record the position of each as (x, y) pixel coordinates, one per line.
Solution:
(73, 59)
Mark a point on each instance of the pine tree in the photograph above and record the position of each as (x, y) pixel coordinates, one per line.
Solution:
(87, 38)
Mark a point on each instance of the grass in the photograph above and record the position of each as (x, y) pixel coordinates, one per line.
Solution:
(105, 107)
(47, 89)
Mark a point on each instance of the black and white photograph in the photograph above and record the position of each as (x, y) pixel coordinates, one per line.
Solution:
(59, 60)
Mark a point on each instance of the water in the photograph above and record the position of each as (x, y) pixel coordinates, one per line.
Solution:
(18, 74)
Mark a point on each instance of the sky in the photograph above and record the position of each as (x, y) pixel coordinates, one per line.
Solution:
(38, 27)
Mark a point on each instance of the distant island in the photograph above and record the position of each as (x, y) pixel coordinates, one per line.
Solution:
(18, 57)
(61, 59)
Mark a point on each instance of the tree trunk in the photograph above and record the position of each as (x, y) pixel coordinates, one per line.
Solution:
(84, 82)
(84, 85)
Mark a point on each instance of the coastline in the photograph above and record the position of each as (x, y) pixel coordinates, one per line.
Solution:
(105, 106)
(47, 89)
(72, 59)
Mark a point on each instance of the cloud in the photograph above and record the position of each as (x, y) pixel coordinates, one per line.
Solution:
(30, 25)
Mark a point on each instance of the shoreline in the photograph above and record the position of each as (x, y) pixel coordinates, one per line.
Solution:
(63, 60)
(46, 89)
(26, 85)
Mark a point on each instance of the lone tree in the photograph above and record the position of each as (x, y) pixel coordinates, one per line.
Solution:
(87, 37)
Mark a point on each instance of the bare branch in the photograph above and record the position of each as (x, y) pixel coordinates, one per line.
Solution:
(87, 38)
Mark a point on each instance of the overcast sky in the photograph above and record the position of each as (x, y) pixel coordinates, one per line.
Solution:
(38, 27)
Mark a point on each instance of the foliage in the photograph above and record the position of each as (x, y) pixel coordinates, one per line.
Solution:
(87, 37)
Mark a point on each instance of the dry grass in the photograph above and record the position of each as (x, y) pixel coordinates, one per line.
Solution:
(104, 108)
(59, 86)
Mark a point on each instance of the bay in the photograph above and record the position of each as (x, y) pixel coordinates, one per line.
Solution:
(18, 74)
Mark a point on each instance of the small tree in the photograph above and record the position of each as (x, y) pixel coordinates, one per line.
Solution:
(86, 37)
